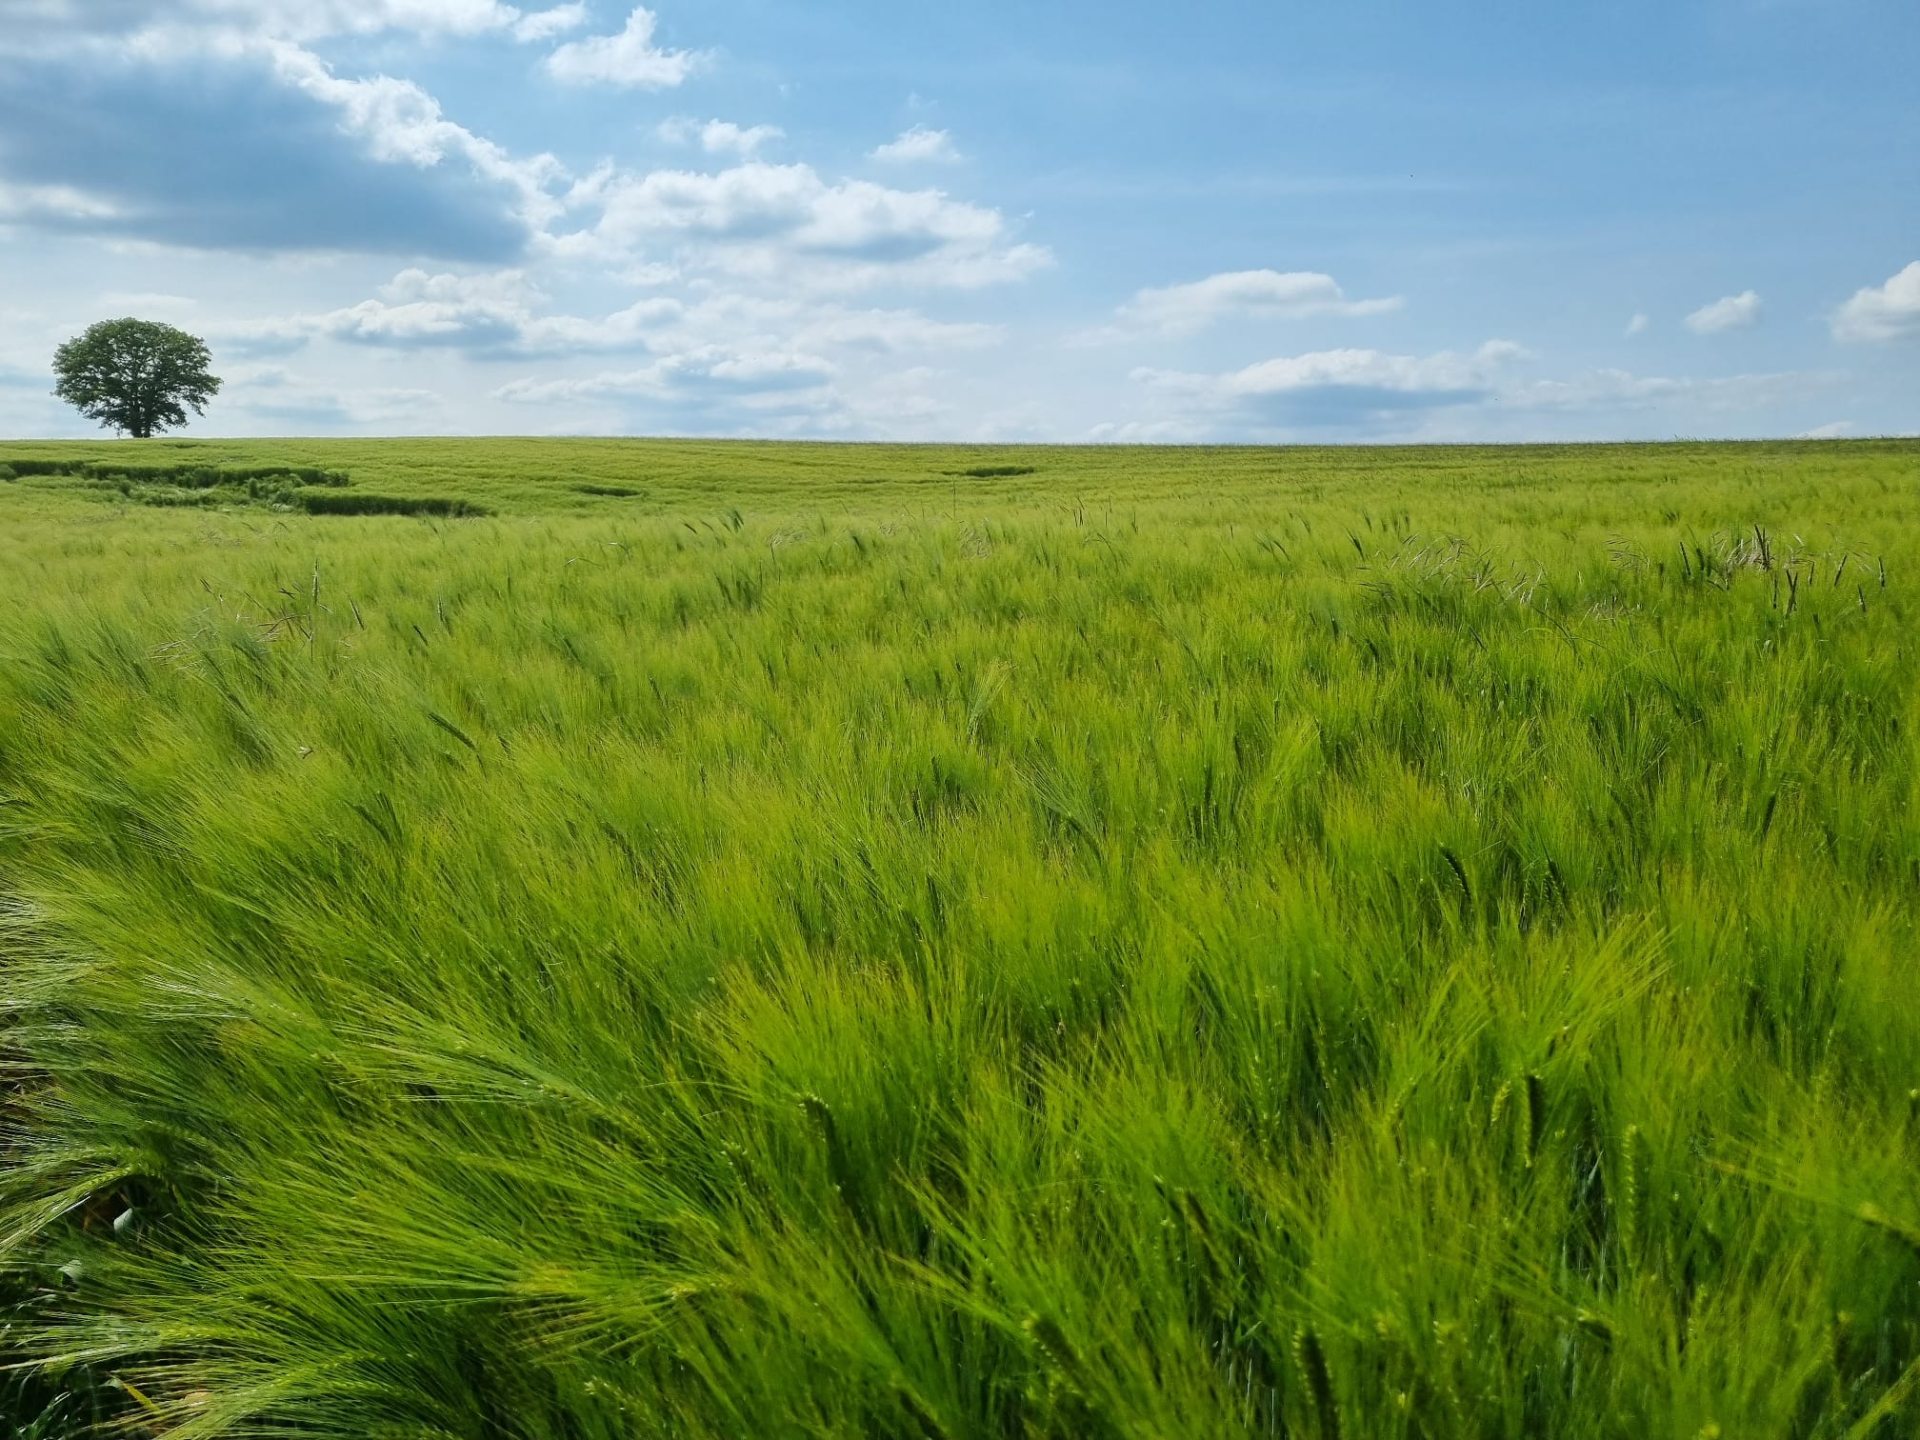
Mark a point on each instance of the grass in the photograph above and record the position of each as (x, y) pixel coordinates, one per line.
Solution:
(1202, 943)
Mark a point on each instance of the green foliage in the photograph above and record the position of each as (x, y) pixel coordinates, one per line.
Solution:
(137, 377)
(1304, 943)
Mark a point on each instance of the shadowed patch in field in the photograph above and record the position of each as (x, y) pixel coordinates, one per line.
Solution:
(306, 488)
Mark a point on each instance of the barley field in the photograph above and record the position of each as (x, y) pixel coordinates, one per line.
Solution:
(566, 940)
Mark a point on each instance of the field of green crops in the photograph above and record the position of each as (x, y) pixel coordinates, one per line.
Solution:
(551, 940)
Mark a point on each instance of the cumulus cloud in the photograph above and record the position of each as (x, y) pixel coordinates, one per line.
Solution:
(243, 125)
(1339, 387)
(1833, 430)
(211, 124)
(628, 59)
(159, 25)
(720, 137)
(420, 310)
(882, 332)
(786, 223)
(1190, 308)
(1150, 432)
(545, 24)
(918, 146)
(402, 123)
(501, 315)
(146, 303)
(273, 405)
(246, 139)
(316, 19)
(1639, 325)
(721, 390)
(1621, 390)
(264, 151)
(1734, 312)
(709, 370)
(488, 316)
(1883, 312)
(268, 399)
(57, 203)
(1452, 394)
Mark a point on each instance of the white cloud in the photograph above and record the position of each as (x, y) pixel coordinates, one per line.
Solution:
(271, 404)
(545, 24)
(314, 19)
(903, 401)
(919, 146)
(785, 225)
(501, 315)
(1734, 312)
(724, 299)
(745, 389)
(721, 137)
(889, 331)
(757, 223)
(646, 274)
(1347, 381)
(629, 59)
(156, 26)
(666, 325)
(1150, 432)
(146, 303)
(1451, 394)
(1883, 312)
(709, 370)
(1350, 391)
(1187, 309)
(1639, 325)
(401, 123)
(491, 314)
(59, 202)
(209, 66)
(417, 308)
(1620, 390)
(1835, 430)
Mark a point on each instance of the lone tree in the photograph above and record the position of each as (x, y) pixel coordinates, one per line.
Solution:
(135, 376)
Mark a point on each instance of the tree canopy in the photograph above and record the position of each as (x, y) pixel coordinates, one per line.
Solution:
(139, 377)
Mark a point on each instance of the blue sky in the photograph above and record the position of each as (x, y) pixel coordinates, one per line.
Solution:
(994, 221)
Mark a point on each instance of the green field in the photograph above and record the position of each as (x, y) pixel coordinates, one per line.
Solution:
(764, 941)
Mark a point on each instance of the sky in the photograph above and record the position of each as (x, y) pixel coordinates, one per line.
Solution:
(996, 221)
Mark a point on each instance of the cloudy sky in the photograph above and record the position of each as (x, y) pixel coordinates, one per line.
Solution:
(1000, 220)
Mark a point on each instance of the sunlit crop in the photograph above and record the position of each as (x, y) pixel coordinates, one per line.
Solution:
(766, 941)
